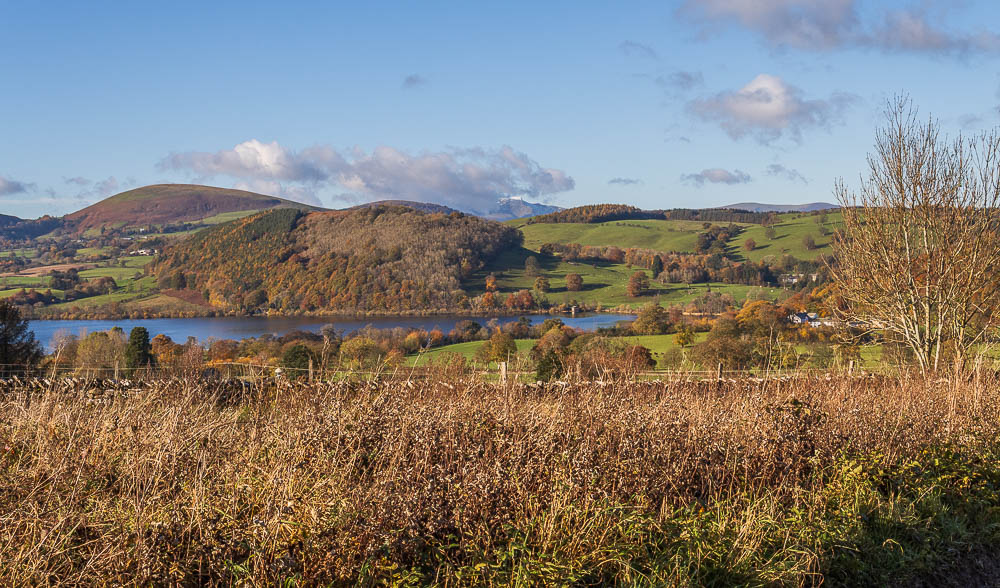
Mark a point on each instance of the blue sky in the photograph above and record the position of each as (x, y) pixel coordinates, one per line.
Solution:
(668, 104)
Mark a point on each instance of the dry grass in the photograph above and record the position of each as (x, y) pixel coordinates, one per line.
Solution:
(465, 482)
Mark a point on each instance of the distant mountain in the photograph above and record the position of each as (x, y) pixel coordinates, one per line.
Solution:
(514, 208)
(758, 207)
(421, 206)
(172, 203)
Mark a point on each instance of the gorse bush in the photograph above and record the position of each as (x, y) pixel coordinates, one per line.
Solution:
(461, 482)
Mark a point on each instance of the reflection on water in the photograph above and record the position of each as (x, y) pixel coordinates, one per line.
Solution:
(179, 329)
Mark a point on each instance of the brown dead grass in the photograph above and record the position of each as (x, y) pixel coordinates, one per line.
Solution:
(192, 482)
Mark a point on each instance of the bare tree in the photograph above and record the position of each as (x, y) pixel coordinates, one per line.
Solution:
(920, 250)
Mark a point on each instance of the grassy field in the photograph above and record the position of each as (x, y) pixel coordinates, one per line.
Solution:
(603, 282)
(649, 234)
(29, 253)
(681, 236)
(225, 217)
(10, 292)
(826, 481)
(25, 282)
(466, 350)
(790, 232)
(657, 344)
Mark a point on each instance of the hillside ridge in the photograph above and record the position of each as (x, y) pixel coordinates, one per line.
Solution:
(173, 203)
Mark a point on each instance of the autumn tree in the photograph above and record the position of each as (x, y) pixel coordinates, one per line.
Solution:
(574, 283)
(808, 242)
(637, 284)
(542, 284)
(920, 247)
(684, 337)
(651, 320)
(749, 245)
(499, 347)
(770, 233)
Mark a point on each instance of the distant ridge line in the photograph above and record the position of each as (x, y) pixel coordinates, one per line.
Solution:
(760, 207)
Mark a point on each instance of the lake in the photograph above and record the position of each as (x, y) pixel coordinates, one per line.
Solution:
(203, 329)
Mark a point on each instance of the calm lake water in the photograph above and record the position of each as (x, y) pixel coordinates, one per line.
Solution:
(179, 329)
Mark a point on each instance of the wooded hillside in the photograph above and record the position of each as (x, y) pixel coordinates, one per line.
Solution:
(374, 259)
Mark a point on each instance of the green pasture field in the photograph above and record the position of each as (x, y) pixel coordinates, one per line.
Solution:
(660, 235)
(682, 236)
(29, 253)
(604, 283)
(19, 282)
(790, 232)
(7, 293)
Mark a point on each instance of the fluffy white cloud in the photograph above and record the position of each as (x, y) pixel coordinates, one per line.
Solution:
(466, 179)
(767, 108)
(249, 159)
(832, 24)
(717, 175)
(9, 186)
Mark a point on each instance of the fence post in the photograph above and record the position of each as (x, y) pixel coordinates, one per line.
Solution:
(718, 372)
(310, 370)
(503, 373)
(850, 368)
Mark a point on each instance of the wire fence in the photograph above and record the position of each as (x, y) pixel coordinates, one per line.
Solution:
(502, 372)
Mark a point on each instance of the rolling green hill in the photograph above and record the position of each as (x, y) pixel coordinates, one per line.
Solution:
(661, 235)
(790, 231)
(681, 236)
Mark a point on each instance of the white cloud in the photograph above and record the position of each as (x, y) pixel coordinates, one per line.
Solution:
(812, 24)
(913, 31)
(717, 176)
(467, 179)
(833, 24)
(767, 108)
(249, 159)
(9, 186)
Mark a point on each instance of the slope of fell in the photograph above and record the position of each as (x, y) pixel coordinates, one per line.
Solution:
(172, 203)
(379, 259)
